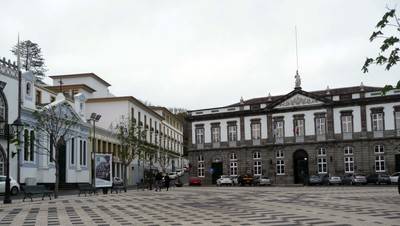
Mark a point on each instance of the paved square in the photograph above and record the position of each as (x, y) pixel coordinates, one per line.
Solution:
(215, 206)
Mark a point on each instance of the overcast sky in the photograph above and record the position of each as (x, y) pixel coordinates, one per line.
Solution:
(200, 54)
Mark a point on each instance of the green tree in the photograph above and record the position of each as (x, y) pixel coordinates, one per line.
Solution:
(53, 127)
(31, 58)
(388, 55)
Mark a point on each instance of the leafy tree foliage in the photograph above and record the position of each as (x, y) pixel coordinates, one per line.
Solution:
(31, 58)
(390, 47)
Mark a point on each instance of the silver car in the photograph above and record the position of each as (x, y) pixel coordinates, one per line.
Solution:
(334, 180)
(14, 186)
(358, 179)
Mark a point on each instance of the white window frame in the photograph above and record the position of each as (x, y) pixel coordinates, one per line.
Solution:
(256, 155)
(299, 128)
(320, 124)
(215, 134)
(321, 151)
(322, 165)
(377, 121)
(279, 154)
(280, 166)
(348, 150)
(380, 165)
(256, 131)
(349, 164)
(397, 119)
(199, 133)
(232, 133)
(347, 123)
(233, 168)
(279, 128)
(379, 149)
(233, 157)
(200, 169)
(257, 166)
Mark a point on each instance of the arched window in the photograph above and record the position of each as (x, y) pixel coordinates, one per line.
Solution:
(2, 163)
(2, 109)
(233, 157)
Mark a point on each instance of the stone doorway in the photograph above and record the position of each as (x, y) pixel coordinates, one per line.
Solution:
(300, 167)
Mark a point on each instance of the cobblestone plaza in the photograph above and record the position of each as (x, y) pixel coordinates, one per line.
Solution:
(334, 205)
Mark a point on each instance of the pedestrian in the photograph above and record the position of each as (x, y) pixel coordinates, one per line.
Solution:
(158, 181)
(166, 181)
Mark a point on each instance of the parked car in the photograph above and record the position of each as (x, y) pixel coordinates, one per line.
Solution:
(315, 180)
(334, 180)
(194, 181)
(394, 178)
(179, 172)
(235, 180)
(14, 186)
(246, 179)
(172, 175)
(224, 180)
(358, 179)
(118, 181)
(325, 179)
(262, 181)
(382, 178)
(347, 179)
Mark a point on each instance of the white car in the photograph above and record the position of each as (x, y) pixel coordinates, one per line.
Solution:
(394, 178)
(172, 176)
(224, 180)
(14, 186)
(262, 181)
(179, 172)
(334, 180)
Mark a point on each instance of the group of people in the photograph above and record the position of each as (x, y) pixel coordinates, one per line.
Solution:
(156, 180)
(162, 181)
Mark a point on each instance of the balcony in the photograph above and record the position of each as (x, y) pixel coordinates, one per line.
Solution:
(347, 136)
(378, 133)
(279, 140)
(232, 143)
(216, 145)
(321, 137)
(257, 142)
(299, 139)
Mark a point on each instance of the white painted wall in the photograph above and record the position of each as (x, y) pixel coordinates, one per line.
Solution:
(101, 89)
(356, 118)
(308, 121)
(247, 126)
(388, 114)
(207, 129)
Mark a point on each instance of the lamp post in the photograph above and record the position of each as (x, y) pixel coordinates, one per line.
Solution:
(9, 132)
(94, 117)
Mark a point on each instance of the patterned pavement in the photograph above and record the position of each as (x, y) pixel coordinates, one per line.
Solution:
(215, 206)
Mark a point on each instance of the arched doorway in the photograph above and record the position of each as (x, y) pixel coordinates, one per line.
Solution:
(300, 166)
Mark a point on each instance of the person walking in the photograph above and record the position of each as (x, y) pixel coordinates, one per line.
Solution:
(167, 181)
(158, 181)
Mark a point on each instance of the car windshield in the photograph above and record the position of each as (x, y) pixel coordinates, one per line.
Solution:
(225, 176)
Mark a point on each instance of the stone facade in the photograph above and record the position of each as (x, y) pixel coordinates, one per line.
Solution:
(365, 149)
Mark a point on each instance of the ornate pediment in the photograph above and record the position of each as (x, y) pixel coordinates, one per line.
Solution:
(299, 100)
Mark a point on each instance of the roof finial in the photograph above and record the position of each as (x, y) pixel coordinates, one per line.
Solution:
(241, 100)
(269, 97)
(297, 76)
(362, 86)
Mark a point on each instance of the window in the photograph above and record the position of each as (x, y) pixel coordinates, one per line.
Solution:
(298, 127)
(72, 151)
(26, 145)
(233, 157)
(233, 169)
(52, 99)
(379, 149)
(348, 160)
(256, 155)
(215, 134)
(280, 167)
(200, 167)
(28, 89)
(322, 152)
(2, 109)
(256, 131)
(257, 168)
(80, 152)
(347, 123)
(278, 128)
(320, 126)
(380, 163)
(232, 133)
(397, 119)
(279, 154)
(377, 121)
(199, 135)
(348, 150)
(84, 153)
(322, 165)
(32, 146)
(2, 172)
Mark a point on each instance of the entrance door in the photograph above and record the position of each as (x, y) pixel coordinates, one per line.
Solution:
(62, 161)
(217, 171)
(300, 166)
(397, 162)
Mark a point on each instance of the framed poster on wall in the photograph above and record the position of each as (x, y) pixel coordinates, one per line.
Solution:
(103, 170)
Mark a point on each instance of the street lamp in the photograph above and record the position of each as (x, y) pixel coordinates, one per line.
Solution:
(10, 130)
(94, 117)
